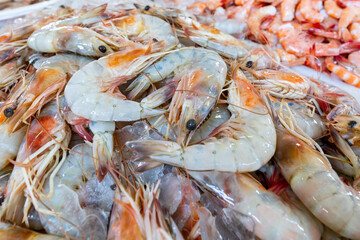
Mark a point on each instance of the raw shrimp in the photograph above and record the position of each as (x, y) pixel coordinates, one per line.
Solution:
(138, 216)
(246, 195)
(39, 88)
(58, 36)
(281, 84)
(307, 171)
(255, 20)
(212, 38)
(288, 9)
(243, 143)
(141, 28)
(40, 152)
(9, 144)
(103, 146)
(11, 232)
(344, 74)
(92, 91)
(10, 72)
(305, 118)
(201, 75)
(74, 204)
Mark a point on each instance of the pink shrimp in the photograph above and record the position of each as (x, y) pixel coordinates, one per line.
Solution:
(355, 30)
(348, 15)
(332, 9)
(288, 9)
(255, 20)
(354, 58)
(344, 74)
(309, 12)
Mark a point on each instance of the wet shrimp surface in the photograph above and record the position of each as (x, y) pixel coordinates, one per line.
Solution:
(180, 120)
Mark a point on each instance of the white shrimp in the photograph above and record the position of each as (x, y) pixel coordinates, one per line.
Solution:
(58, 36)
(74, 202)
(318, 186)
(92, 91)
(246, 195)
(199, 78)
(244, 143)
(140, 28)
(9, 144)
(40, 152)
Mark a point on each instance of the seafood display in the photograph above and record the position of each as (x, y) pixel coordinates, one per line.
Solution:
(136, 121)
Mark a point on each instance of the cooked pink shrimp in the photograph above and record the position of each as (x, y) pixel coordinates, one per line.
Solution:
(255, 20)
(318, 186)
(309, 13)
(355, 30)
(288, 9)
(354, 58)
(332, 9)
(344, 74)
(348, 15)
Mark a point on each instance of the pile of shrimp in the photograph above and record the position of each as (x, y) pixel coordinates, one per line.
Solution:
(322, 34)
(139, 122)
(8, 4)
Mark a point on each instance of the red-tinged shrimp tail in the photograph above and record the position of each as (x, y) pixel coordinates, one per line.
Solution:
(344, 74)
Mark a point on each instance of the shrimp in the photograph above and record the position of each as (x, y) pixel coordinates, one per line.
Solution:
(11, 232)
(354, 58)
(308, 121)
(103, 145)
(247, 196)
(355, 31)
(201, 75)
(92, 91)
(40, 152)
(255, 20)
(308, 11)
(332, 9)
(39, 88)
(141, 28)
(307, 171)
(10, 72)
(229, 150)
(58, 36)
(344, 74)
(138, 216)
(281, 84)
(9, 144)
(74, 203)
(348, 15)
(212, 38)
(288, 9)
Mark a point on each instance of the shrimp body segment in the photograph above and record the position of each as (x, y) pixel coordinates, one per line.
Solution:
(318, 186)
(243, 143)
(9, 144)
(92, 91)
(79, 40)
(248, 196)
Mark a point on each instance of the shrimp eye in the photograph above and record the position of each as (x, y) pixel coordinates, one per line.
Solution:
(102, 49)
(8, 112)
(113, 187)
(249, 64)
(147, 8)
(352, 124)
(191, 124)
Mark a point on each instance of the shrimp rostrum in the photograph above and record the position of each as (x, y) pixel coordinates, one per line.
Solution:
(243, 143)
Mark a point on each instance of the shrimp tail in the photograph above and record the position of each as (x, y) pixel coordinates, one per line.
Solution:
(349, 47)
(157, 150)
